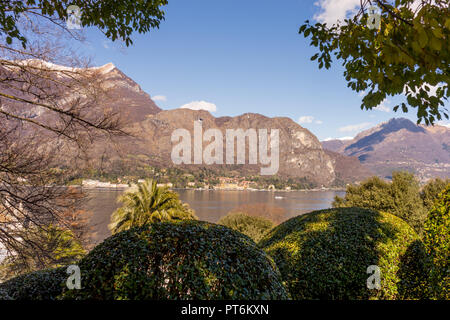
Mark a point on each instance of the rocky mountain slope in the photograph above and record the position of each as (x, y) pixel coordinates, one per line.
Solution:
(150, 130)
(348, 169)
(119, 93)
(300, 155)
(400, 144)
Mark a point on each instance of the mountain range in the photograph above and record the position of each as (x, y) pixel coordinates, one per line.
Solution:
(399, 144)
(301, 153)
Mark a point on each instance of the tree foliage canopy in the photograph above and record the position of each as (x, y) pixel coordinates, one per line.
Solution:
(432, 190)
(116, 19)
(408, 55)
(400, 198)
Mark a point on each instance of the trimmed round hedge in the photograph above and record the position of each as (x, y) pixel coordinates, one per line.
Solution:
(4, 295)
(325, 254)
(38, 285)
(178, 260)
(253, 227)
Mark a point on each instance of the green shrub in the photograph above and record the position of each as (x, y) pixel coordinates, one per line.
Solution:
(178, 260)
(414, 269)
(38, 285)
(325, 254)
(4, 295)
(432, 190)
(401, 198)
(253, 227)
(437, 243)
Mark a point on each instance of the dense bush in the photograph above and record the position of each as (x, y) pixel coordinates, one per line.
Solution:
(431, 191)
(414, 269)
(325, 254)
(401, 198)
(263, 210)
(437, 243)
(253, 227)
(4, 295)
(178, 260)
(38, 285)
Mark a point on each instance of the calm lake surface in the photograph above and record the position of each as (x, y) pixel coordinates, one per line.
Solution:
(211, 205)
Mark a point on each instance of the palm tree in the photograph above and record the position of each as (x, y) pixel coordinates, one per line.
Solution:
(148, 203)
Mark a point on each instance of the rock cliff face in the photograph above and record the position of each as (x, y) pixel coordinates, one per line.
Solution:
(400, 144)
(126, 95)
(300, 152)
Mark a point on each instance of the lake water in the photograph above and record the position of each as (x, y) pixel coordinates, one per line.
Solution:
(211, 205)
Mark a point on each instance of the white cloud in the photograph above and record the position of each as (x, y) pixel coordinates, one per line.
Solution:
(444, 124)
(383, 106)
(200, 105)
(342, 138)
(333, 10)
(355, 127)
(309, 119)
(305, 119)
(159, 98)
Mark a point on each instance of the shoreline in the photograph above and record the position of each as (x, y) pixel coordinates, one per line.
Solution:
(224, 189)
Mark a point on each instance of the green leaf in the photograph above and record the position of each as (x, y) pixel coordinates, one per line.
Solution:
(423, 38)
(436, 44)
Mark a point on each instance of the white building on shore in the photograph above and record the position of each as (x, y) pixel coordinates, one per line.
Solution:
(88, 183)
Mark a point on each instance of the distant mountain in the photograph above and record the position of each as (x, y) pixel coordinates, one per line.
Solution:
(301, 153)
(400, 144)
(333, 145)
(348, 169)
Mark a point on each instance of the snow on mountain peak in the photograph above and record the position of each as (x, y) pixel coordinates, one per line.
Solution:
(106, 68)
(52, 66)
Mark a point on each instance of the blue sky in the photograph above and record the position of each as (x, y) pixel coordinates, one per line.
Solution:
(243, 56)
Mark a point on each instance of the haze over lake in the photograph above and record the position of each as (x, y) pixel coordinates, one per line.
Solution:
(211, 205)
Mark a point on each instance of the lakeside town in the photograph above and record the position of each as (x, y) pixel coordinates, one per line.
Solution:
(225, 183)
